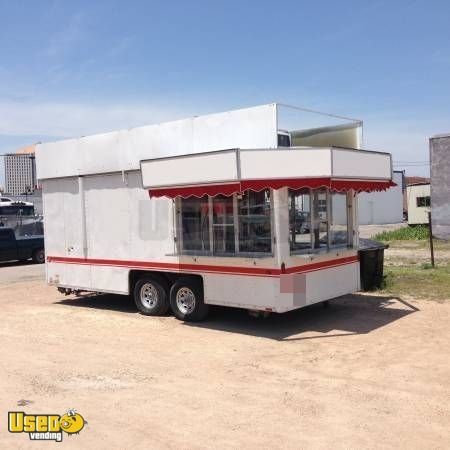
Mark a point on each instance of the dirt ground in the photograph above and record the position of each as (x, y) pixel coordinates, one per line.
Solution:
(366, 372)
(416, 252)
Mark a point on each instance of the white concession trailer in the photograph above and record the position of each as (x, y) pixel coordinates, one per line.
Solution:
(223, 209)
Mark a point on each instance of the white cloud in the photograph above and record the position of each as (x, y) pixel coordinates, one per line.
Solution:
(76, 119)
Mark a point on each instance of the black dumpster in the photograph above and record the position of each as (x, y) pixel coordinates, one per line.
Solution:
(371, 261)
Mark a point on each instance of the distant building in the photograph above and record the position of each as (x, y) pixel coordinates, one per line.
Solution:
(440, 185)
(382, 207)
(410, 181)
(418, 197)
(20, 171)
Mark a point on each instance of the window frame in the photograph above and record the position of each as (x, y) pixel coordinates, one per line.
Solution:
(210, 253)
(348, 211)
(319, 221)
(312, 221)
(426, 199)
(303, 251)
(211, 219)
(178, 235)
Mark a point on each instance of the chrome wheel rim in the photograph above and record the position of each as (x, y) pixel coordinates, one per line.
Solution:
(185, 300)
(149, 295)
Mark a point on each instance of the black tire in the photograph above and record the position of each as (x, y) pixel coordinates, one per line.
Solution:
(155, 301)
(186, 300)
(39, 256)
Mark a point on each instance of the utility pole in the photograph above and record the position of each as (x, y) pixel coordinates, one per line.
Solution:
(430, 229)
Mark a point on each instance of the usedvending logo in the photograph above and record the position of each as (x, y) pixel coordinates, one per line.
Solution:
(46, 427)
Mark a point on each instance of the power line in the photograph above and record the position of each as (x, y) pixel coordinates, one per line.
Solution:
(412, 162)
(411, 165)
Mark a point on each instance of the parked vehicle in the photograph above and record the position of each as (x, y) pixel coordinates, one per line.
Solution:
(14, 208)
(192, 213)
(14, 248)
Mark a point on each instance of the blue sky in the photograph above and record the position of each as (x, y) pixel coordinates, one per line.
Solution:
(82, 67)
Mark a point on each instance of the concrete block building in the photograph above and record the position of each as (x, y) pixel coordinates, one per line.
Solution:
(440, 185)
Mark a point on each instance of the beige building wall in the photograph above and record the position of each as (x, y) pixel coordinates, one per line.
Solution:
(418, 208)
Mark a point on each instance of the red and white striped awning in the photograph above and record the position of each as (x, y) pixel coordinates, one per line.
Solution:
(234, 171)
(259, 185)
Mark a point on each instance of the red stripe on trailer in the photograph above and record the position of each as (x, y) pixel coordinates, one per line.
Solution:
(228, 270)
(321, 265)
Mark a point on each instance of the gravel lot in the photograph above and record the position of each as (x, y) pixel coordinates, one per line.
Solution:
(367, 372)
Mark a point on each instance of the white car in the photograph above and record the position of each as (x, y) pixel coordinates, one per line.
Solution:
(9, 207)
(6, 201)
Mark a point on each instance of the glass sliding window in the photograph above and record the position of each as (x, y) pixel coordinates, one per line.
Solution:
(320, 218)
(223, 225)
(339, 220)
(195, 224)
(300, 220)
(254, 218)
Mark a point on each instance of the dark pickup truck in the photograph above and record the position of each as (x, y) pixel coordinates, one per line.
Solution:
(21, 248)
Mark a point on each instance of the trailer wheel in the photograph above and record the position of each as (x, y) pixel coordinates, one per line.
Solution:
(151, 295)
(39, 256)
(186, 300)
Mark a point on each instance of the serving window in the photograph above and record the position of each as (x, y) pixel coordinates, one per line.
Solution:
(195, 219)
(339, 235)
(254, 218)
(237, 225)
(300, 236)
(223, 241)
(318, 220)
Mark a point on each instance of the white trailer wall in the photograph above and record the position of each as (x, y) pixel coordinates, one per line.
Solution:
(382, 207)
(122, 223)
(122, 150)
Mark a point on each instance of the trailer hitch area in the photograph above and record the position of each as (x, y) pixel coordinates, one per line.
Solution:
(68, 291)
(258, 314)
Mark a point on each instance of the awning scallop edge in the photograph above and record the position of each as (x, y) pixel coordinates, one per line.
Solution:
(336, 185)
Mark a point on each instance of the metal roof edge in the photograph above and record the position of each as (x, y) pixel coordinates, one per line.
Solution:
(438, 136)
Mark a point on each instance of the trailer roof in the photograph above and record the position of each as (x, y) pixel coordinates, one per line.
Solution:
(122, 150)
(231, 171)
(118, 151)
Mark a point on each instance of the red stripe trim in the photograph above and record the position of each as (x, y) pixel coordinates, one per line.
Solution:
(322, 265)
(229, 270)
